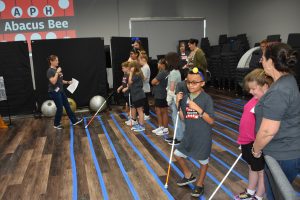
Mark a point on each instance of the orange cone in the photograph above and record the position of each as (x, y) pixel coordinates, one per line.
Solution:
(2, 123)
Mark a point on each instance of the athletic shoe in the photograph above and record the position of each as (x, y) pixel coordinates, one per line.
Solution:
(244, 196)
(156, 130)
(163, 131)
(79, 120)
(185, 181)
(136, 126)
(176, 142)
(169, 139)
(146, 117)
(140, 128)
(131, 122)
(197, 191)
(59, 127)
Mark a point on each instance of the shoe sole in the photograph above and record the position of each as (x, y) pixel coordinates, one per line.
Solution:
(186, 183)
(196, 195)
(162, 134)
(138, 130)
(57, 128)
(78, 122)
(172, 144)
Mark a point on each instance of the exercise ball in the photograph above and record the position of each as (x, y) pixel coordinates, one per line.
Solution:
(96, 102)
(48, 108)
(73, 106)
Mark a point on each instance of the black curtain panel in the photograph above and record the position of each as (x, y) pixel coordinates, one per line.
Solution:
(16, 71)
(80, 58)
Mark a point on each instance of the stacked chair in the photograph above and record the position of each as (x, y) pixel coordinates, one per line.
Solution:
(273, 38)
(215, 66)
(294, 42)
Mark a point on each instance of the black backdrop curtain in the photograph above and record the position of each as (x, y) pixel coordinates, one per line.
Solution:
(80, 58)
(15, 69)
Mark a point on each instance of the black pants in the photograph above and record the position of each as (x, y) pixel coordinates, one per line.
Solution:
(146, 105)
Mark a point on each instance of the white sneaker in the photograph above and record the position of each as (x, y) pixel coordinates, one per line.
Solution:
(131, 122)
(136, 126)
(146, 117)
(162, 131)
(156, 130)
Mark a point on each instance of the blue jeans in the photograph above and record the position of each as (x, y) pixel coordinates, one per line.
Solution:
(291, 168)
(180, 125)
(60, 99)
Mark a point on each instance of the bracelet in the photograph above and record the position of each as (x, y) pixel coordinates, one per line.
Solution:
(256, 155)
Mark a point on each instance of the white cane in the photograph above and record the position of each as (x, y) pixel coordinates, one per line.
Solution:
(213, 194)
(130, 110)
(99, 110)
(171, 155)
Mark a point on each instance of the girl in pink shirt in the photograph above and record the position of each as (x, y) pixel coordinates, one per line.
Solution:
(257, 83)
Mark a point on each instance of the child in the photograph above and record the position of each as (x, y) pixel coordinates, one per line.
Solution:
(124, 87)
(134, 54)
(198, 112)
(135, 82)
(143, 60)
(160, 94)
(257, 83)
(174, 78)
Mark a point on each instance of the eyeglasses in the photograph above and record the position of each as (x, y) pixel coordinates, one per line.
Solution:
(193, 82)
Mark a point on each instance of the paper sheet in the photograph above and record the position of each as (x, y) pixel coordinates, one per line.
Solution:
(72, 87)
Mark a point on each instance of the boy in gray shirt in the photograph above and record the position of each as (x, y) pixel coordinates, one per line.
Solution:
(197, 110)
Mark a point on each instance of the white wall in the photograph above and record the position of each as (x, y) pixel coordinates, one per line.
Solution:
(111, 18)
(259, 18)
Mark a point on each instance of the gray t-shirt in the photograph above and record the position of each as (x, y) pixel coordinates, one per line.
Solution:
(182, 87)
(197, 140)
(125, 84)
(59, 84)
(136, 88)
(175, 77)
(160, 91)
(282, 103)
(146, 71)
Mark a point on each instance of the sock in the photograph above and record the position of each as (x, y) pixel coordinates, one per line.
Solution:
(252, 192)
(258, 198)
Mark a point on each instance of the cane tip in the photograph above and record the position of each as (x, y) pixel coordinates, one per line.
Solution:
(86, 126)
(166, 186)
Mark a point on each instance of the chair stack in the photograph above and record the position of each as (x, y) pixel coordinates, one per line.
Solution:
(294, 42)
(230, 56)
(215, 67)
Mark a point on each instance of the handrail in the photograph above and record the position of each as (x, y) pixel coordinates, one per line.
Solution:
(281, 187)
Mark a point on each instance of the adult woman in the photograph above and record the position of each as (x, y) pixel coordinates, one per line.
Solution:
(56, 92)
(278, 113)
(197, 57)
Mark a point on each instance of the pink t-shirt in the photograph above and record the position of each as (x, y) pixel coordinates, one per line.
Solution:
(247, 123)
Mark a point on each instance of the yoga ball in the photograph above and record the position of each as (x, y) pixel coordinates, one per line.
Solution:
(96, 102)
(73, 106)
(48, 108)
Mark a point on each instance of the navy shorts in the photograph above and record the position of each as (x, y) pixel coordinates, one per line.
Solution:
(161, 103)
(139, 103)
